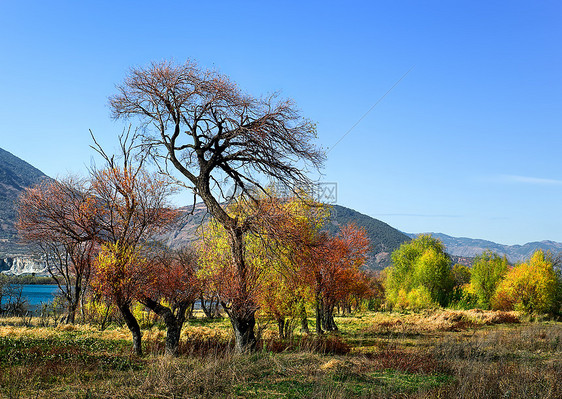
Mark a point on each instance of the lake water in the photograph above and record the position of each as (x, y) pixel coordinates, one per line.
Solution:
(35, 294)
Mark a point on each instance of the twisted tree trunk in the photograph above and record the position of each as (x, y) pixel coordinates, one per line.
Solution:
(133, 326)
(174, 322)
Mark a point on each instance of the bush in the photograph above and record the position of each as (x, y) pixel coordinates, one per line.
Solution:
(420, 298)
(466, 298)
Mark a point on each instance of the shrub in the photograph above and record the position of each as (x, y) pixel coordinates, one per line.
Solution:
(420, 298)
(465, 298)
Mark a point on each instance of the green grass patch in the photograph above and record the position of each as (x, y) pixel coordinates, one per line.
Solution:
(406, 382)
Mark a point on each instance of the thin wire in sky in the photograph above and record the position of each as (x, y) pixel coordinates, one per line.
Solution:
(370, 109)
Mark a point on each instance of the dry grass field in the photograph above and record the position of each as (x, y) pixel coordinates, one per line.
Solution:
(438, 354)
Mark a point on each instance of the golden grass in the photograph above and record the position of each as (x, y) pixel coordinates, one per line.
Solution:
(447, 354)
(424, 323)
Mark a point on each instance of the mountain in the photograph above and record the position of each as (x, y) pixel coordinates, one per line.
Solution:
(384, 238)
(185, 231)
(15, 176)
(470, 247)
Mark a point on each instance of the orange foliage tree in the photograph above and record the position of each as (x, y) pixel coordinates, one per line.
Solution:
(59, 216)
(171, 289)
(132, 208)
(332, 268)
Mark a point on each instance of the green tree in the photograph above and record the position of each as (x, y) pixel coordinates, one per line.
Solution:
(420, 274)
(488, 271)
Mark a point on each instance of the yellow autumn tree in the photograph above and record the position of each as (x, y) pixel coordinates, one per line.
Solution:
(273, 276)
(531, 287)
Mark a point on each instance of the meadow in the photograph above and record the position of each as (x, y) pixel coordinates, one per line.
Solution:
(432, 354)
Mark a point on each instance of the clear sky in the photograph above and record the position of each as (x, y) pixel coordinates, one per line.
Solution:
(468, 143)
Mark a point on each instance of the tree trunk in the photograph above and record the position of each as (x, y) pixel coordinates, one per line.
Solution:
(319, 317)
(242, 310)
(105, 317)
(189, 314)
(245, 339)
(207, 308)
(133, 326)
(304, 320)
(173, 333)
(173, 322)
(281, 326)
(328, 318)
(70, 319)
(289, 326)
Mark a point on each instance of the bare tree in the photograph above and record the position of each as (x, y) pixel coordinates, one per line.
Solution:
(198, 122)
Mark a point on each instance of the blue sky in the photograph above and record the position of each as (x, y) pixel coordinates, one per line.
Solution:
(467, 144)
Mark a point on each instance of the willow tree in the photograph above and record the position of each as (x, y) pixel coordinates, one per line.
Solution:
(200, 124)
(488, 270)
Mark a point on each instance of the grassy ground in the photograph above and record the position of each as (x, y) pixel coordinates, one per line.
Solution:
(444, 354)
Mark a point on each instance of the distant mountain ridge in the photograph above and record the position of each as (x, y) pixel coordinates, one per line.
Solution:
(15, 176)
(471, 247)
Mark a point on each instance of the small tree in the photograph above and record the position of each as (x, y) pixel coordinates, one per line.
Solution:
(60, 217)
(171, 289)
(335, 271)
(487, 272)
(131, 206)
(120, 272)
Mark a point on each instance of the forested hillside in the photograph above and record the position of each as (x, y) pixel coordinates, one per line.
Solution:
(384, 238)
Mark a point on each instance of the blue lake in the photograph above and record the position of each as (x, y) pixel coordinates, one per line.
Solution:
(35, 294)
